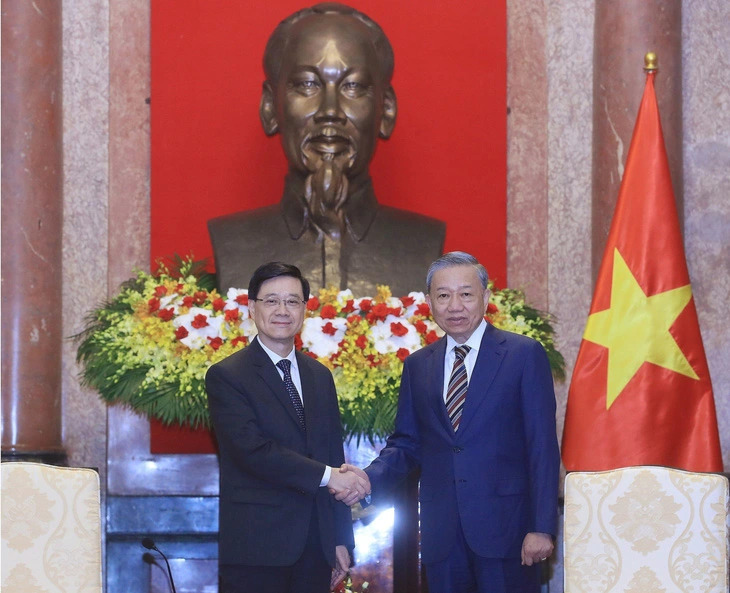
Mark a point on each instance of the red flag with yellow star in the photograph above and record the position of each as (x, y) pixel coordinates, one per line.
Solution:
(641, 392)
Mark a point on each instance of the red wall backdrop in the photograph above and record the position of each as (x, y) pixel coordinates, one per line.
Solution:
(446, 157)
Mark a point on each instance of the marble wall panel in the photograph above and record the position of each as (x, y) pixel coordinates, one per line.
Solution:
(706, 82)
(85, 240)
(570, 92)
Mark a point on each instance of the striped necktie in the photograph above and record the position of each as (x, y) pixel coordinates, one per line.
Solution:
(458, 384)
(291, 389)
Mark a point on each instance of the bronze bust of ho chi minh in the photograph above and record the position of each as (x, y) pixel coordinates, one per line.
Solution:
(328, 94)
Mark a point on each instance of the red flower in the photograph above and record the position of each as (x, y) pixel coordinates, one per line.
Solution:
(372, 361)
(232, 315)
(329, 329)
(153, 304)
(298, 342)
(239, 340)
(313, 304)
(378, 313)
(181, 332)
(199, 297)
(216, 342)
(352, 319)
(421, 327)
(218, 304)
(431, 337)
(492, 308)
(349, 306)
(407, 301)
(361, 341)
(402, 353)
(199, 321)
(179, 286)
(328, 312)
(160, 291)
(340, 588)
(366, 305)
(166, 314)
(187, 301)
(423, 309)
(242, 299)
(398, 329)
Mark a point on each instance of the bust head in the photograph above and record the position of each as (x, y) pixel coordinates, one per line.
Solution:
(328, 93)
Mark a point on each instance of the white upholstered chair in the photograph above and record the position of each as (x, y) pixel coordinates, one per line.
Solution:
(646, 529)
(51, 529)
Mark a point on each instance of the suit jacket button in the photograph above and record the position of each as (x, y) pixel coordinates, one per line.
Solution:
(458, 449)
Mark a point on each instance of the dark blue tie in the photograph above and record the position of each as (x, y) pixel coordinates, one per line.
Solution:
(291, 389)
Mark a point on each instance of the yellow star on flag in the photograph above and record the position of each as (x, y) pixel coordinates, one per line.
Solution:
(635, 329)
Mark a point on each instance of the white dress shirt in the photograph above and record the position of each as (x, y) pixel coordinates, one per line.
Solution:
(470, 359)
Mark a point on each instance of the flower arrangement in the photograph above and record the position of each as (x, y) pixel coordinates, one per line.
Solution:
(151, 345)
(345, 586)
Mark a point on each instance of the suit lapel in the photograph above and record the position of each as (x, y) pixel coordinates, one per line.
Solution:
(268, 373)
(435, 384)
(491, 355)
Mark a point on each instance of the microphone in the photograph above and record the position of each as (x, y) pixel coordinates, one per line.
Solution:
(148, 543)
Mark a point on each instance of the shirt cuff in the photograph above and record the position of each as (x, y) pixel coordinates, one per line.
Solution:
(325, 476)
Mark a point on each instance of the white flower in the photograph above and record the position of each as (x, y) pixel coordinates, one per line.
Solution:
(343, 296)
(248, 328)
(167, 300)
(231, 302)
(384, 340)
(418, 299)
(198, 337)
(318, 342)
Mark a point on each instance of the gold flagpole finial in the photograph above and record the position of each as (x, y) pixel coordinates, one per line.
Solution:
(650, 62)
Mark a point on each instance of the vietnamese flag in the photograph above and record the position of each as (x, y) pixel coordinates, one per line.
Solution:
(641, 392)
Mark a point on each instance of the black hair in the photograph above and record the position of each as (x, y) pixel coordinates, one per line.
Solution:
(275, 269)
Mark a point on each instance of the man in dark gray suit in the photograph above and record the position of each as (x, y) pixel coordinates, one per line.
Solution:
(277, 422)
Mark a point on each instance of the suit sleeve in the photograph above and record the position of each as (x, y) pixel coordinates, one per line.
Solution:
(543, 456)
(254, 452)
(343, 515)
(401, 453)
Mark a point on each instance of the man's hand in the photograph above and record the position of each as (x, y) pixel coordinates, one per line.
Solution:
(342, 565)
(349, 485)
(536, 547)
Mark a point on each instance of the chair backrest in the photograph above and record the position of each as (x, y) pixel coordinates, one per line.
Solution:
(51, 529)
(646, 529)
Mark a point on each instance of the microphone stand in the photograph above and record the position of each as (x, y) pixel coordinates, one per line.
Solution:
(150, 545)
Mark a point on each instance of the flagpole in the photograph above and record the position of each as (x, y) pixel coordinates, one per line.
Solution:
(651, 62)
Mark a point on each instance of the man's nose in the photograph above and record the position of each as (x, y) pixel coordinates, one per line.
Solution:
(330, 108)
(455, 303)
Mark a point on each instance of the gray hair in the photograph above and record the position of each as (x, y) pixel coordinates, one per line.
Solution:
(457, 258)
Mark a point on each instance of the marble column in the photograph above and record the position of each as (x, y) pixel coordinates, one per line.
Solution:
(32, 190)
(625, 30)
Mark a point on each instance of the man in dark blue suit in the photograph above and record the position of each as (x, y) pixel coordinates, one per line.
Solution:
(277, 422)
(476, 414)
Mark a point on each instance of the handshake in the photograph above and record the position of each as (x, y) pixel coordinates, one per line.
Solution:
(349, 484)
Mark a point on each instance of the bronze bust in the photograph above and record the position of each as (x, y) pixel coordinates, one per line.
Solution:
(328, 93)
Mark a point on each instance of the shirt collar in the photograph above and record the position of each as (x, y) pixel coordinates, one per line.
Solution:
(276, 358)
(359, 209)
(474, 341)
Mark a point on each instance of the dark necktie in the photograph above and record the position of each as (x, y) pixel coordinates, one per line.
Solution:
(458, 384)
(291, 389)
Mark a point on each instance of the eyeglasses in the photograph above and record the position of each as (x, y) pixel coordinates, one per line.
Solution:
(274, 302)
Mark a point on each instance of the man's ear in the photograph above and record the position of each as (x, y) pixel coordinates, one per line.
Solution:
(267, 112)
(390, 110)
